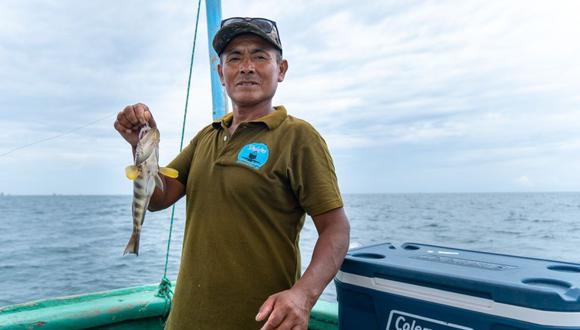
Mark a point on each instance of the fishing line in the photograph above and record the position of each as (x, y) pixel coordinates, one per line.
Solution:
(55, 136)
(165, 290)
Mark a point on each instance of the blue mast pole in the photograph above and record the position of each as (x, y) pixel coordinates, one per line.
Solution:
(213, 9)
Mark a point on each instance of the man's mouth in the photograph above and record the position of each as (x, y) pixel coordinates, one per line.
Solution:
(247, 83)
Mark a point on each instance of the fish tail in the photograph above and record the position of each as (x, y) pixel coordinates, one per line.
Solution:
(133, 245)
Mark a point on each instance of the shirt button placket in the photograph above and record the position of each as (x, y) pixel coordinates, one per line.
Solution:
(225, 144)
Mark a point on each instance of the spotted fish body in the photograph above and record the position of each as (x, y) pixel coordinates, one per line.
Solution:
(145, 174)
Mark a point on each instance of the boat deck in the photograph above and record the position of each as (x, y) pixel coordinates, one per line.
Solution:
(127, 308)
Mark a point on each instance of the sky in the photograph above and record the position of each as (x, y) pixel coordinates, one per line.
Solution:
(411, 96)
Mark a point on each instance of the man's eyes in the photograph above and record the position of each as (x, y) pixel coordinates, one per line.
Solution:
(257, 57)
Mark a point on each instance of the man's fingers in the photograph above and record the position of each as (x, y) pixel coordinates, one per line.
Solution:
(265, 309)
(149, 118)
(143, 115)
(140, 110)
(274, 321)
(126, 109)
(123, 118)
(120, 127)
(120, 116)
(131, 116)
(123, 121)
(287, 324)
(122, 124)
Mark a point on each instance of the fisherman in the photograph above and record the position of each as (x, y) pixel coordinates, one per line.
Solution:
(249, 179)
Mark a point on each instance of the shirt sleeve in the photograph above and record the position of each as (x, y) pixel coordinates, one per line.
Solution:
(312, 174)
(182, 162)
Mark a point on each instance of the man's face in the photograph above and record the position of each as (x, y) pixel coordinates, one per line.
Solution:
(249, 70)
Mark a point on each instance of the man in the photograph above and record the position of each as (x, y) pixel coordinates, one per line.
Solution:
(249, 179)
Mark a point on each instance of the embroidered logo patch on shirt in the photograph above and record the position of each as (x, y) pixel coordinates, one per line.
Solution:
(254, 155)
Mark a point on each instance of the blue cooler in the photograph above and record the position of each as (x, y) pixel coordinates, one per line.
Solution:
(426, 287)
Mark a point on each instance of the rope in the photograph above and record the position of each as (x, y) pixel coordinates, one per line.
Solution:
(166, 293)
(165, 290)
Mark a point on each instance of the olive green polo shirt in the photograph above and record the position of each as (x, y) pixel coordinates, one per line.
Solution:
(246, 199)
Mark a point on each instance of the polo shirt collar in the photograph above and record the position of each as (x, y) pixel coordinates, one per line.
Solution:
(271, 120)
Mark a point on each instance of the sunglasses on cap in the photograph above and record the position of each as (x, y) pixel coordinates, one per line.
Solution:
(233, 26)
(264, 24)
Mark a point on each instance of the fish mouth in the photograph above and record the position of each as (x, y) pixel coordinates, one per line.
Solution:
(149, 134)
(144, 131)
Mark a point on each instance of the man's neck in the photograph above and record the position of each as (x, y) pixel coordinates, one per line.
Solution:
(245, 114)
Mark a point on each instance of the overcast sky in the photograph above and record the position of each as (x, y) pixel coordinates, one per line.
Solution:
(411, 96)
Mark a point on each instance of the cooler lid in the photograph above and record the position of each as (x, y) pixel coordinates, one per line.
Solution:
(527, 282)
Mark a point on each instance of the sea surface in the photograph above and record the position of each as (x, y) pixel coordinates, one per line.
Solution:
(62, 245)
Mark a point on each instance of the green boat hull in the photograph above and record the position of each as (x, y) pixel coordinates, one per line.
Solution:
(128, 308)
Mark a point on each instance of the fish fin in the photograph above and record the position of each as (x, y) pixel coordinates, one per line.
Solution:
(150, 187)
(159, 182)
(169, 172)
(133, 245)
(132, 172)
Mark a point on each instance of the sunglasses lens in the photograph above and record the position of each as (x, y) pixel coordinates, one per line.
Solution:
(232, 21)
(263, 25)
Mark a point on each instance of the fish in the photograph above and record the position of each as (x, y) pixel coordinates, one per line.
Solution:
(145, 175)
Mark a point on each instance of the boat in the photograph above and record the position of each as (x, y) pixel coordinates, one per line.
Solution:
(141, 307)
(128, 308)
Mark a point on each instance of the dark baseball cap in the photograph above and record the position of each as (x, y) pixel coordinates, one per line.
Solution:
(234, 26)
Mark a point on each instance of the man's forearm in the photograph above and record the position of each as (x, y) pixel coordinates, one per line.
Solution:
(173, 191)
(157, 201)
(328, 255)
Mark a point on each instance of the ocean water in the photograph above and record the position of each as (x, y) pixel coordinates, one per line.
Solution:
(62, 245)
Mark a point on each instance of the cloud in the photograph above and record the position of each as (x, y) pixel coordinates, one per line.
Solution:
(472, 87)
(428, 59)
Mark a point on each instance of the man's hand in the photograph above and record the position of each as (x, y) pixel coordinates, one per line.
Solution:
(131, 119)
(288, 309)
(128, 124)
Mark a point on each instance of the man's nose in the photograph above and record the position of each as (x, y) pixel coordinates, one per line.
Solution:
(247, 65)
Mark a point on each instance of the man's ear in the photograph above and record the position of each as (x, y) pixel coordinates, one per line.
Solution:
(221, 74)
(282, 68)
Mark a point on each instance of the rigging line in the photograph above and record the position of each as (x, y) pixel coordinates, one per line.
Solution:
(183, 127)
(165, 286)
(55, 136)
